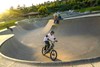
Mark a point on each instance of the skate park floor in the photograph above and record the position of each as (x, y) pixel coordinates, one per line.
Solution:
(81, 45)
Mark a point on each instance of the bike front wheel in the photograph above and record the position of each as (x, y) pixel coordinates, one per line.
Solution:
(43, 51)
(53, 55)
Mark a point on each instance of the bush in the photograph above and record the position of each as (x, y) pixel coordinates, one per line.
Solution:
(97, 8)
(8, 23)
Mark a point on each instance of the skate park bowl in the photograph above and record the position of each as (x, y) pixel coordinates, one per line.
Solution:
(78, 39)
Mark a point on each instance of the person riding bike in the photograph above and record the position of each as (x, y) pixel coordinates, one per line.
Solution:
(49, 37)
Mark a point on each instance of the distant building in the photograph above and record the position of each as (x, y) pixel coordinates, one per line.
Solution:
(31, 14)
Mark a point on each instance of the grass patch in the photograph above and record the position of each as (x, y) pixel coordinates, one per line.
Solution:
(96, 8)
(10, 23)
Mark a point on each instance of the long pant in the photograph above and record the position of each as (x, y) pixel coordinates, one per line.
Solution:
(56, 21)
(47, 45)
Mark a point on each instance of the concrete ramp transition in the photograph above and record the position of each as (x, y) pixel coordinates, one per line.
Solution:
(49, 26)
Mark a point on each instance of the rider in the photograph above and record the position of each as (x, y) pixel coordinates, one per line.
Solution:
(49, 37)
(56, 20)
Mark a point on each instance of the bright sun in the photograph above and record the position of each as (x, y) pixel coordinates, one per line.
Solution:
(4, 4)
(2, 10)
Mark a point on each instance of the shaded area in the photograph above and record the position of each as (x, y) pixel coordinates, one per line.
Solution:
(31, 24)
(80, 26)
(13, 48)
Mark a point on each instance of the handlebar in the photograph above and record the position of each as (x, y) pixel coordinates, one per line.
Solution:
(53, 41)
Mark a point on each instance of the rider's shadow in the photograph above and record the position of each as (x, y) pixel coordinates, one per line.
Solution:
(58, 59)
(55, 60)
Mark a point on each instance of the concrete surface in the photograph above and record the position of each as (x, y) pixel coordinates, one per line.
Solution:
(78, 39)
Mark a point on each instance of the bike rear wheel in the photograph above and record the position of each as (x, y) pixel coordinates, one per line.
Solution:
(53, 55)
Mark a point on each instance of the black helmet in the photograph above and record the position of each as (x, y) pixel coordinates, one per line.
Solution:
(52, 32)
(46, 35)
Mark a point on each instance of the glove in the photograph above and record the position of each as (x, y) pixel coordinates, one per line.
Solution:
(56, 41)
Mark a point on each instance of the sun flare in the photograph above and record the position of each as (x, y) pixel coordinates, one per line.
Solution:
(6, 4)
(2, 10)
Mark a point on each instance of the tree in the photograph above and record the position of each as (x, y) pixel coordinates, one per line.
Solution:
(18, 7)
(32, 8)
(43, 10)
(11, 8)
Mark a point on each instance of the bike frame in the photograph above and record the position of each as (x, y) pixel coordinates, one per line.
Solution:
(51, 46)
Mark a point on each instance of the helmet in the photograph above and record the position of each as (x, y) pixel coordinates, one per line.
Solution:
(52, 32)
(46, 35)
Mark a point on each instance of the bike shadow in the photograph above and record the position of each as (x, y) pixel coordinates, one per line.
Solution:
(55, 60)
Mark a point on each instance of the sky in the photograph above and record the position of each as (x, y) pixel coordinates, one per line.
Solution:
(6, 4)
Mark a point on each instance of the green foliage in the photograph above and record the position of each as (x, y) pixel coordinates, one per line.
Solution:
(48, 8)
(97, 8)
(32, 8)
(8, 23)
(43, 10)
